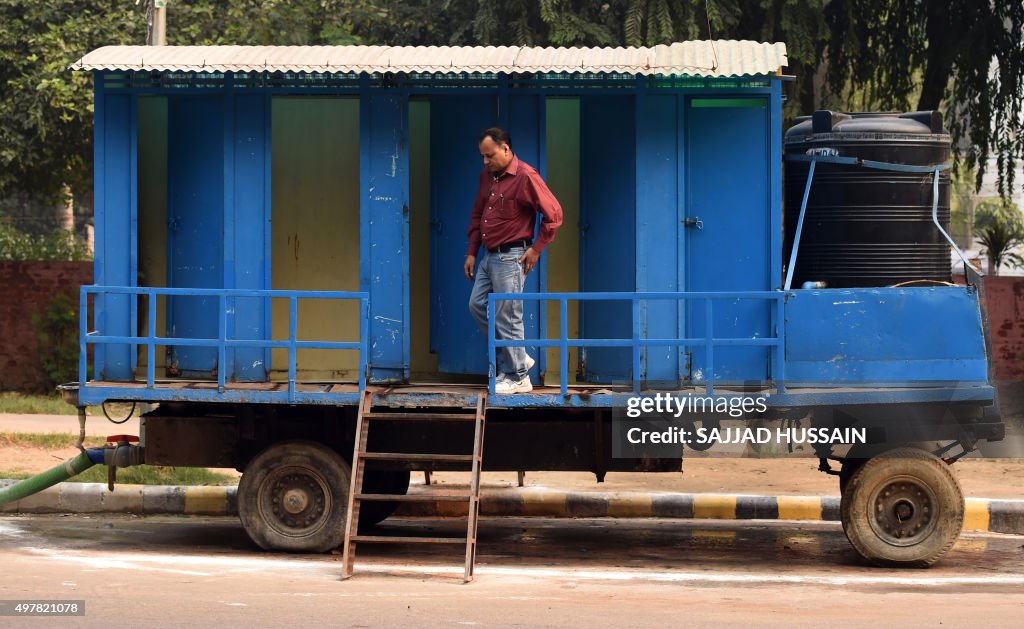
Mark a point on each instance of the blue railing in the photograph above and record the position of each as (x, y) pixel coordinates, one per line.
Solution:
(222, 342)
(637, 342)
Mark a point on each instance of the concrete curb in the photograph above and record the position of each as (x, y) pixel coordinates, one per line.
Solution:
(983, 514)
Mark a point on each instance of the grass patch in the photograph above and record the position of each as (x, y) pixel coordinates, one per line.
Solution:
(156, 475)
(144, 475)
(46, 440)
(31, 404)
(26, 404)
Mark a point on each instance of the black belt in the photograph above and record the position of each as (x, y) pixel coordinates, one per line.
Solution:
(514, 244)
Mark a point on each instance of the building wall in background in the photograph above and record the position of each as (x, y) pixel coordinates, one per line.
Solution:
(27, 288)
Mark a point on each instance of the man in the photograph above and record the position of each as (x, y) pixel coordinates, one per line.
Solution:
(510, 195)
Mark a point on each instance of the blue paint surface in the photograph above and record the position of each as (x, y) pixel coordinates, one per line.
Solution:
(115, 211)
(97, 394)
(195, 229)
(384, 236)
(658, 250)
(455, 163)
(249, 215)
(526, 127)
(607, 230)
(649, 161)
(727, 190)
(879, 335)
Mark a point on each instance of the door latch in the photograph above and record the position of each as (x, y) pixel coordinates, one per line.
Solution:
(693, 222)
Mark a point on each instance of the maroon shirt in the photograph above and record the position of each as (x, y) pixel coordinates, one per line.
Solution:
(506, 207)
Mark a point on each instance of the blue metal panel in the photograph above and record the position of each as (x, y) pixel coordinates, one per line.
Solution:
(115, 209)
(775, 183)
(526, 126)
(384, 235)
(251, 209)
(97, 394)
(884, 335)
(607, 229)
(728, 243)
(195, 231)
(658, 152)
(455, 126)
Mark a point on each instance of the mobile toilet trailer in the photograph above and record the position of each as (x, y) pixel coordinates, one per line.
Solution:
(279, 242)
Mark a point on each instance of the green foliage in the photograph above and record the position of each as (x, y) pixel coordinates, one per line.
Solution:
(46, 111)
(57, 245)
(57, 339)
(999, 225)
(961, 206)
(963, 56)
(259, 22)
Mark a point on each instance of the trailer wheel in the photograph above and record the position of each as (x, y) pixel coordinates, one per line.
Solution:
(903, 508)
(382, 482)
(294, 497)
(846, 472)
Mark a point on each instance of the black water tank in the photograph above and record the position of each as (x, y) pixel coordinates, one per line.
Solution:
(868, 227)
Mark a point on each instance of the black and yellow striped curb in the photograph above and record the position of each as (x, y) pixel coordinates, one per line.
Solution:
(142, 499)
(983, 514)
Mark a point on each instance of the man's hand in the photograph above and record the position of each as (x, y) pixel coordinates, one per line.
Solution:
(529, 259)
(468, 267)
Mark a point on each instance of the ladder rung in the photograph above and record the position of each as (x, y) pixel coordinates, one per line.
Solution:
(412, 497)
(401, 456)
(423, 416)
(386, 539)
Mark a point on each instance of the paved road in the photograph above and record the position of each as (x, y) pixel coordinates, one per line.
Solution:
(189, 571)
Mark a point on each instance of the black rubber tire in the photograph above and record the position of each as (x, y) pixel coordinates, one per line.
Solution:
(846, 472)
(314, 479)
(903, 509)
(381, 482)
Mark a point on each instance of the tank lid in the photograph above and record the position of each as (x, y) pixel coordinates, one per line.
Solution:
(909, 123)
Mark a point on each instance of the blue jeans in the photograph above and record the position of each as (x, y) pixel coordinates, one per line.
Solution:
(501, 273)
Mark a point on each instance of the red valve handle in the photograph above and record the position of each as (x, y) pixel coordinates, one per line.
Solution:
(118, 438)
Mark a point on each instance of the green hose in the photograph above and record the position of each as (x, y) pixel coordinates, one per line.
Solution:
(50, 477)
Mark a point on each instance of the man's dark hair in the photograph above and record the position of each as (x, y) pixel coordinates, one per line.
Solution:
(499, 135)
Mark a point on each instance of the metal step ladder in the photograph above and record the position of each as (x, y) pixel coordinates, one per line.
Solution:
(359, 458)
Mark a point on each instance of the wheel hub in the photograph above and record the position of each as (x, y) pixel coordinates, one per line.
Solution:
(298, 500)
(903, 511)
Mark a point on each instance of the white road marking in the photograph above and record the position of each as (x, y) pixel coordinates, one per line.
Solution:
(700, 577)
(181, 564)
(12, 531)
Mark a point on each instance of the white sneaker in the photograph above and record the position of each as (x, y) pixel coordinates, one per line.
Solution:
(504, 376)
(508, 385)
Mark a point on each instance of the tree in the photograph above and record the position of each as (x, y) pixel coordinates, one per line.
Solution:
(964, 56)
(999, 227)
(46, 111)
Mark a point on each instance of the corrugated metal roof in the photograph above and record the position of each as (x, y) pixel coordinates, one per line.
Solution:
(693, 58)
